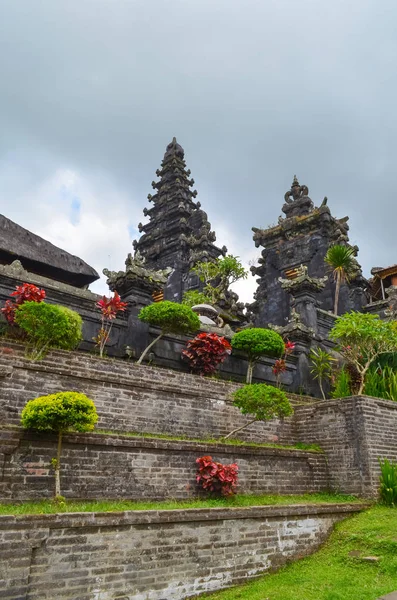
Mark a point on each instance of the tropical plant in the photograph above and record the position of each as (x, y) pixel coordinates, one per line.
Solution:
(256, 342)
(194, 297)
(49, 325)
(362, 338)
(341, 384)
(216, 477)
(218, 275)
(206, 352)
(280, 366)
(170, 317)
(321, 368)
(342, 262)
(263, 401)
(381, 382)
(388, 482)
(26, 292)
(109, 308)
(60, 413)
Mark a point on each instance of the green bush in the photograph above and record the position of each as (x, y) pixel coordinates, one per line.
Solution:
(381, 383)
(60, 413)
(256, 342)
(388, 482)
(49, 325)
(263, 401)
(170, 317)
(342, 385)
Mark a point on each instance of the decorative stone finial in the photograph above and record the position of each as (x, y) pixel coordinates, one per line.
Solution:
(297, 191)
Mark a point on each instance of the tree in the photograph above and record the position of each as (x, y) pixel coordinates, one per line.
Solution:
(60, 413)
(170, 317)
(341, 260)
(256, 342)
(217, 276)
(263, 401)
(321, 366)
(49, 325)
(362, 338)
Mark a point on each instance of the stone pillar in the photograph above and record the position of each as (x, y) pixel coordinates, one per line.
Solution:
(136, 286)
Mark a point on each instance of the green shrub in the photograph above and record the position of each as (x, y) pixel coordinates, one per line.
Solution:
(60, 413)
(49, 325)
(381, 383)
(193, 297)
(388, 482)
(170, 317)
(342, 385)
(363, 338)
(263, 401)
(256, 342)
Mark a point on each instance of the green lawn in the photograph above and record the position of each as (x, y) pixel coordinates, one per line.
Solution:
(338, 571)
(47, 506)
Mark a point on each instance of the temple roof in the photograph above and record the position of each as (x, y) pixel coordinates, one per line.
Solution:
(39, 256)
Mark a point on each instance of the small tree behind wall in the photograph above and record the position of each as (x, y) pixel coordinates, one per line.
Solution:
(170, 317)
(60, 413)
(264, 402)
(257, 342)
(362, 338)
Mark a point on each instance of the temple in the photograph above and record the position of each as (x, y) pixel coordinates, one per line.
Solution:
(178, 233)
(301, 238)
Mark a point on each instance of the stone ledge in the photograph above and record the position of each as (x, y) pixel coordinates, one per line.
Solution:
(112, 519)
(117, 440)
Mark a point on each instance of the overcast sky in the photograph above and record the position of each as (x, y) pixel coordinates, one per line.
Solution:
(92, 91)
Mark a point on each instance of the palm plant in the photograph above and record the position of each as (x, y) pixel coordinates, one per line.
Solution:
(341, 260)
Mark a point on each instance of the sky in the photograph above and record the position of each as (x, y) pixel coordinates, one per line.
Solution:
(92, 91)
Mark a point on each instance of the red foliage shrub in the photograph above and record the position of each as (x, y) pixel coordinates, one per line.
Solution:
(27, 292)
(216, 477)
(205, 352)
(109, 308)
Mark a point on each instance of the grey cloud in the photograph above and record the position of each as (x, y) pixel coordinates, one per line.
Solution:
(255, 91)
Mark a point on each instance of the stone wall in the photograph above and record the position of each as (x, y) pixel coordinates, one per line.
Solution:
(112, 467)
(354, 432)
(129, 397)
(154, 555)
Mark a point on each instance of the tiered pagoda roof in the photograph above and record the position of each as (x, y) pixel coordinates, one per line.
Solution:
(178, 233)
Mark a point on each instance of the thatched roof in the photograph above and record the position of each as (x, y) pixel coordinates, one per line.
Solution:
(41, 257)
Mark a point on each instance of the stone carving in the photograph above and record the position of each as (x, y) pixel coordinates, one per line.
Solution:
(136, 277)
(301, 238)
(297, 191)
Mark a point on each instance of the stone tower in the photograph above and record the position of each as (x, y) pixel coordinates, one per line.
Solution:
(301, 238)
(178, 233)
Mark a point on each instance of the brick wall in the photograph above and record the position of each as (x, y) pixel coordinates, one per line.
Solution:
(103, 466)
(129, 397)
(354, 433)
(153, 555)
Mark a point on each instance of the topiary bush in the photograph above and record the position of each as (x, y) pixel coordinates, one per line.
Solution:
(256, 342)
(170, 317)
(263, 401)
(60, 413)
(49, 325)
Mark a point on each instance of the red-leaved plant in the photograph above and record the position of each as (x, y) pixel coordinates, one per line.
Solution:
(109, 308)
(280, 366)
(216, 477)
(206, 352)
(27, 292)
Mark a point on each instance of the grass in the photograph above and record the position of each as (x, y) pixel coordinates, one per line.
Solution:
(50, 507)
(339, 570)
(209, 440)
